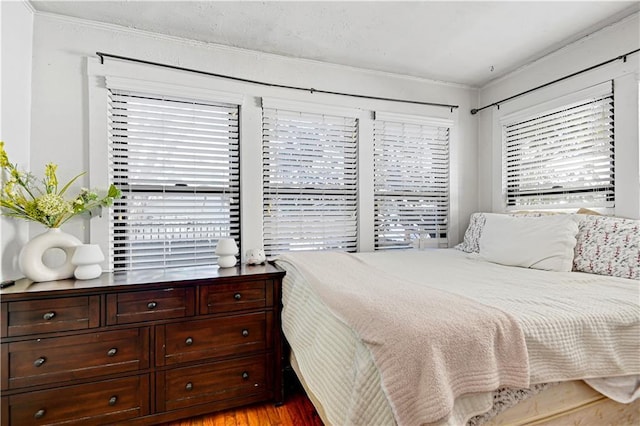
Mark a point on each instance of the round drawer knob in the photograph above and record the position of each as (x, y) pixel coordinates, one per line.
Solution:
(152, 305)
(112, 352)
(237, 296)
(38, 362)
(245, 375)
(49, 316)
(189, 386)
(39, 414)
(189, 341)
(113, 400)
(245, 332)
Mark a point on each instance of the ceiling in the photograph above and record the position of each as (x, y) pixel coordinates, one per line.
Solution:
(466, 42)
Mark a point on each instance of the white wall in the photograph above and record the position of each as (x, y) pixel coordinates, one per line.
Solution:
(599, 47)
(15, 75)
(61, 130)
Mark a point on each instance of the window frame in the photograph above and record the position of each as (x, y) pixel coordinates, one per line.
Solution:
(304, 108)
(421, 238)
(176, 82)
(147, 230)
(524, 114)
(160, 82)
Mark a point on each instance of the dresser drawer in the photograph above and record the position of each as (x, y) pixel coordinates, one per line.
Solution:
(210, 338)
(55, 360)
(202, 384)
(96, 403)
(50, 315)
(235, 297)
(138, 306)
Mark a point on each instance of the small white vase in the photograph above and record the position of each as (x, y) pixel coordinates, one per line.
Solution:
(226, 250)
(30, 259)
(87, 258)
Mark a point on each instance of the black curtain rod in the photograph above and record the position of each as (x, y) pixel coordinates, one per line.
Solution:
(262, 83)
(497, 104)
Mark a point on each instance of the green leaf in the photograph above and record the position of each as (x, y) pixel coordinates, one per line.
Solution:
(114, 192)
(64, 189)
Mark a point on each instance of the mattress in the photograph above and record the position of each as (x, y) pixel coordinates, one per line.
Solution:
(338, 368)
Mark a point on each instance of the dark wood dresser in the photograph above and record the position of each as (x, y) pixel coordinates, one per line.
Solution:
(140, 347)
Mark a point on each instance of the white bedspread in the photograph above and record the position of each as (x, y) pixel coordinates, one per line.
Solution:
(427, 355)
(576, 326)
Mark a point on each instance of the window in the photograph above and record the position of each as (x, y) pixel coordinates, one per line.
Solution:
(177, 163)
(309, 180)
(411, 181)
(562, 157)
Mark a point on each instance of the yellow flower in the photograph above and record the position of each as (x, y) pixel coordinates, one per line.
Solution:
(23, 196)
(4, 160)
(53, 205)
(51, 178)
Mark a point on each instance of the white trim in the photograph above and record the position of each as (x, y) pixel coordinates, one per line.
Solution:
(601, 89)
(118, 76)
(413, 119)
(98, 159)
(312, 108)
(158, 88)
(366, 231)
(29, 7)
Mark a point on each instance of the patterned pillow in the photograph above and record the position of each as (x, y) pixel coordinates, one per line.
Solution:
(470, 243)
(608, 246)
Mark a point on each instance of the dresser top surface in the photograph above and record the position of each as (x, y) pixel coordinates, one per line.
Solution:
(120, 280)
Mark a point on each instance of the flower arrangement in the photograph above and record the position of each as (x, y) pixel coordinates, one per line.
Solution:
(24, 196)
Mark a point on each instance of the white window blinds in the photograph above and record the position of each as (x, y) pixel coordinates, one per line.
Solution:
(176, 161)
(309, 181)
(411, 182)
(563, 157)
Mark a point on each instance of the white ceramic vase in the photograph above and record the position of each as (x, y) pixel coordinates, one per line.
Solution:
(30, 260)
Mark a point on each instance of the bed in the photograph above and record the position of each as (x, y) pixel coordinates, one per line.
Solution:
(473, 335)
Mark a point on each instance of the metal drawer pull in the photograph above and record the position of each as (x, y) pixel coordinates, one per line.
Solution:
(237, 296)
(189, 386)
(152, 305)
(189, 341)
(245, 332)
(112, 352)
(113, 400)
(49, 316)
(39, 414)
(38, 362)
(245, 375)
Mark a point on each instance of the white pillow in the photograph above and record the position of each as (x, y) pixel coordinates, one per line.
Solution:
(544, 242)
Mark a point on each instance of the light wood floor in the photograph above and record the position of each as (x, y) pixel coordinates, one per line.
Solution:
(296, 411)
